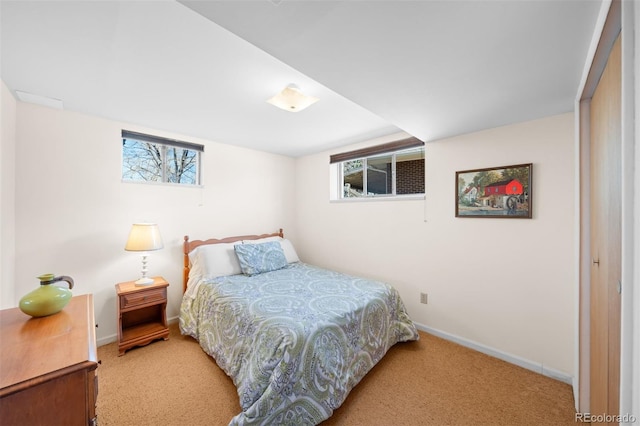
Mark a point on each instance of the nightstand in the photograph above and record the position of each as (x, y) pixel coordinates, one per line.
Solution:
(142, 313)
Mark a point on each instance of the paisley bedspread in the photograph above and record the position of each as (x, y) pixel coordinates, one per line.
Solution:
(295, 341)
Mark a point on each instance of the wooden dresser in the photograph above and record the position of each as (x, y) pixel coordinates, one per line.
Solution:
(48, 366)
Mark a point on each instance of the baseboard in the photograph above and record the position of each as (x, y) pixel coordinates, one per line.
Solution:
(513, 359)
(106, 340)
(114, 337)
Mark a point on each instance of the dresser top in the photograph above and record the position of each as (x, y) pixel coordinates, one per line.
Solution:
(35, 347)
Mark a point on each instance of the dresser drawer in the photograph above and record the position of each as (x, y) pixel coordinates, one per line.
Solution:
(143, 297)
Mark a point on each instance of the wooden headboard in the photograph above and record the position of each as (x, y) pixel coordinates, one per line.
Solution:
(189, 246)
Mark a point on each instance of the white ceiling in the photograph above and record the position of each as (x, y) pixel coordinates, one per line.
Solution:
(206, 68)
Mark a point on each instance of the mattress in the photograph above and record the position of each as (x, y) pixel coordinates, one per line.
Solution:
(295, 341)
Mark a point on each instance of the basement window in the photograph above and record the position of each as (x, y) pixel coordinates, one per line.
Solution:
(147, 158)
(391, 170)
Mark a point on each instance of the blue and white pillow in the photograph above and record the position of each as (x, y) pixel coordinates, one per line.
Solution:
(258, 258)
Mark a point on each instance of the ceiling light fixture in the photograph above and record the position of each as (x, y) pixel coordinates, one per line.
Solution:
(292, 99)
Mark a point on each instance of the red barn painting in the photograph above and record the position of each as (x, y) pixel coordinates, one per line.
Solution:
(505, 187)
(502, 192)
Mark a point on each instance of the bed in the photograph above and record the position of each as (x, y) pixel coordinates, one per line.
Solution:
(294, 338)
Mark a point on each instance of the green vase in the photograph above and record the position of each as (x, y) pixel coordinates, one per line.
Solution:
(47, 299)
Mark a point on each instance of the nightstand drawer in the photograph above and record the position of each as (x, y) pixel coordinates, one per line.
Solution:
(143, 297)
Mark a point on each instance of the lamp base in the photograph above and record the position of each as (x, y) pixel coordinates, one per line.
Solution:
(144, 281)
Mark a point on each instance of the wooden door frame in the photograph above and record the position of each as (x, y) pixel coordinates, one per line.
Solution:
(615, 16)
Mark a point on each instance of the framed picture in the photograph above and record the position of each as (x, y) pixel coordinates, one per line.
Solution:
(498, 192)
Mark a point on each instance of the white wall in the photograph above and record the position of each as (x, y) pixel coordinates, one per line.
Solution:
(73, 213)
(504, 283)
(7, 195)
(630, 304)
(632, 403)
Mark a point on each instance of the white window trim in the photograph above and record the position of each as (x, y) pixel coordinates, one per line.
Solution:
(336, 177)
(165, 143)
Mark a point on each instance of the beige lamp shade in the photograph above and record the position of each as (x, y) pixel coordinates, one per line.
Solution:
(292, 99)
(144, 237)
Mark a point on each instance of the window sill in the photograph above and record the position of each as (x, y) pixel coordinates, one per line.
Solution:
(152, 183)
(379, 198)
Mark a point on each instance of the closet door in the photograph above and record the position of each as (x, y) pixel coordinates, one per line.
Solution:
(606, 242)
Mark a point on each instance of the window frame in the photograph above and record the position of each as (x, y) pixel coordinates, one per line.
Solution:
(164, 144)
(388, 149)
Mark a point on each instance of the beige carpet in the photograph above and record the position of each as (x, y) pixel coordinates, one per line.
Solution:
(429, 382)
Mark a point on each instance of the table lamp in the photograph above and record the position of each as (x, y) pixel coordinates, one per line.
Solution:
(144, 237)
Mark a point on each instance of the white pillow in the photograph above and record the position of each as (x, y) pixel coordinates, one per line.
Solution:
(217, 260)
(287, 247)
(289, 251)
(195, 270)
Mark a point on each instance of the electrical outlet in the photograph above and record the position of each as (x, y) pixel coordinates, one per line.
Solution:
(423, 298)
